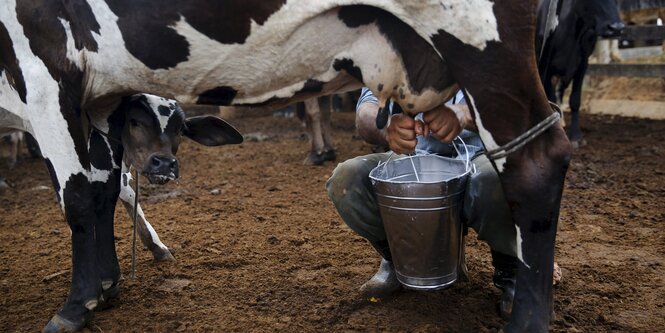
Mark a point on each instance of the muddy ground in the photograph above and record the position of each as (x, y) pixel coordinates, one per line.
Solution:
(269, 253)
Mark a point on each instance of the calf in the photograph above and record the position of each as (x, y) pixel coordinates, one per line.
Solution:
(151, 122)
(566, 49)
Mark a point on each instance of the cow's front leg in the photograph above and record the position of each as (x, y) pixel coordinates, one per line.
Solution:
(533, 183)
(147, 233)
(107, 260)
(77, 201)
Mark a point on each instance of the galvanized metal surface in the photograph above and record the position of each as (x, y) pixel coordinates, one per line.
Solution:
(422, 218)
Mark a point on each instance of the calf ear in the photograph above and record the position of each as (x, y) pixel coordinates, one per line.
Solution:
(211, 131)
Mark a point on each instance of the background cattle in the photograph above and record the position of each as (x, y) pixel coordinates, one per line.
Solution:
(566, 48)
(86, 55)
(14, 140)
(315, 112)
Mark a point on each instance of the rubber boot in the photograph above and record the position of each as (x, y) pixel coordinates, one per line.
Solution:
(505, 274)
(384, 283)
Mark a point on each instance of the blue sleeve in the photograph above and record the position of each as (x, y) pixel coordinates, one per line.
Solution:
(366, 96)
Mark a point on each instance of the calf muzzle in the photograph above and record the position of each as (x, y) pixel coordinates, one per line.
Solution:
(161, 169)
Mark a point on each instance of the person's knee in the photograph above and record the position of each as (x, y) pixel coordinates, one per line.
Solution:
(346, 176)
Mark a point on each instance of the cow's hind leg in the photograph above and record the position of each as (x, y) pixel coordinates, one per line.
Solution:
(15, 140)
(325, 105)
(314, 129)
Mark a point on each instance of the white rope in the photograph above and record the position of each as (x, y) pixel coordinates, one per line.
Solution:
(136, 211)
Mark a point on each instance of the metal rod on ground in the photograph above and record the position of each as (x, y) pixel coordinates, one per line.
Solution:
(136, 210)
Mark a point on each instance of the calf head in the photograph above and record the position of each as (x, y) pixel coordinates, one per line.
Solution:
(153, 129)
(603, 16)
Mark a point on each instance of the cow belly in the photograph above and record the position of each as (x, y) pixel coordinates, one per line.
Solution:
(281, 58)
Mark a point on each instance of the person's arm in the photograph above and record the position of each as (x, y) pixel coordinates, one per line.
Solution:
(366, 124)
(464, 116)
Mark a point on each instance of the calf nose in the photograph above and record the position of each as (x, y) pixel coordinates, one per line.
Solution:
(164, 165)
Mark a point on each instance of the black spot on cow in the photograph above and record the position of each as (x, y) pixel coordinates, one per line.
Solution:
(41, 21)
(116, 122)
(380, 87)
(312, 86)
(423, 65)
(356, 16)
(349, 67)
(9, 63)
(100, 154)
(82, 22)
(125, 181)
(410, 106)
(164, 110)
(222, 95)
(54, 178)
(147, 26)
(71, 111)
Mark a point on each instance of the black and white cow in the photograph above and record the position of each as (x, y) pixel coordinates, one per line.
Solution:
(67, 63)
(568, 42)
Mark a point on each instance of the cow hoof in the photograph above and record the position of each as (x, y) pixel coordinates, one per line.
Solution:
(111, 292)
(314, 159)
(163, 255)
(579, 143)
(330, 155)
(59, 324)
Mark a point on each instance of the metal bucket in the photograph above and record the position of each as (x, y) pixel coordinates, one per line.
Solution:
(420, 199)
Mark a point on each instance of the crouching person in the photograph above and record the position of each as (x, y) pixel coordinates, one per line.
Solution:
(485, 208)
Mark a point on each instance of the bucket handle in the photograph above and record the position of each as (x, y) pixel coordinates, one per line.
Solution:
(468, 165)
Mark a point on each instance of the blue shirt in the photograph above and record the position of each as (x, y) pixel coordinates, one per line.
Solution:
(431, 145)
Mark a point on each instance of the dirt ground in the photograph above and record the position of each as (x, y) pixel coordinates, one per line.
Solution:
(269, 253)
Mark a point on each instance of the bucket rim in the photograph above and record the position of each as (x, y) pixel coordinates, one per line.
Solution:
(466, 172)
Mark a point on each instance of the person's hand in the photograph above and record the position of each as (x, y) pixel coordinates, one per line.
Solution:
(401, 134)
(444, 123)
